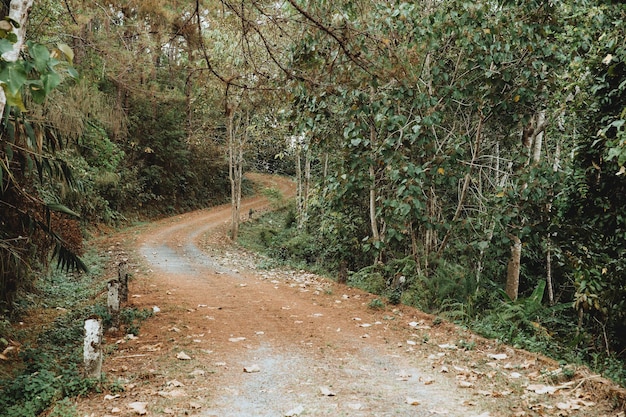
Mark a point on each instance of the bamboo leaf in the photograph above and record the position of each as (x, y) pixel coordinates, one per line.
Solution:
(60, 208)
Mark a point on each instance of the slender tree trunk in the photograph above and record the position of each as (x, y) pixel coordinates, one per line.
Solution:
(513, 269)
(533, 142)
(550, 284)
(234, 169)
(299, 185)
(18, 11)
(373, 221)
(307, 184)
(232, 173)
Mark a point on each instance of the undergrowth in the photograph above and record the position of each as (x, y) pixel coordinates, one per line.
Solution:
(449, 292)
(47, 371)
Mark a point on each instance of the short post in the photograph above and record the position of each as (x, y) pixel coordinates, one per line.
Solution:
(122, 273)
(113, 301)
(92, 352)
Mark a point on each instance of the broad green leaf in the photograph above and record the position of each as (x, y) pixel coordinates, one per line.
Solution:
(40, 55)
(13, 75)
(50, 81)
(5, 46)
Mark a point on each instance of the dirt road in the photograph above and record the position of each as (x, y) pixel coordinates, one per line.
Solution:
(231, 338)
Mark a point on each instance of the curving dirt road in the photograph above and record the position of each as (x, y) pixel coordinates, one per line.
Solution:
(231, 338)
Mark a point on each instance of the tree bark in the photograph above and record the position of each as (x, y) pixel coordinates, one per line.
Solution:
(533, 141)
(513, 269)
(233, 170)
(18, 11)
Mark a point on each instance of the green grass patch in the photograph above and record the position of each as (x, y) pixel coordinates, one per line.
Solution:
(48, 371)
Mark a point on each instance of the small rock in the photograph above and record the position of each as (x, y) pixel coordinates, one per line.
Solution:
(327, 392)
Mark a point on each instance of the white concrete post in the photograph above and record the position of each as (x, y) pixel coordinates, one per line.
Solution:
(122, 273)
(92, 351)
(113, 301)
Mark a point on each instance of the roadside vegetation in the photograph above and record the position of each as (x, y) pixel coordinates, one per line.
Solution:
(49, 343)
(525, 323)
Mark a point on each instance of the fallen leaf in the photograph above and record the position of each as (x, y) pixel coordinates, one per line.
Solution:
(427, 380)
(174, 383)
(448, 346)
(403, 376)
(236, 339)
(541, 389)
(176, 393)
(138, 408)
(183, 356)
(412, 401)
(111, 397)
(498, 356)
(197, 372)
(295, 411)
(251, 369)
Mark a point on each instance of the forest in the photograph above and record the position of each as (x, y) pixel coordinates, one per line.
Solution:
(465, 158)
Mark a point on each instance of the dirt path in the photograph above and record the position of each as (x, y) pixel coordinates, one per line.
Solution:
(233, 339)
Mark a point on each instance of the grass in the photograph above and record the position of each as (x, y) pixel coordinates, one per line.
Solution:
(48, 371)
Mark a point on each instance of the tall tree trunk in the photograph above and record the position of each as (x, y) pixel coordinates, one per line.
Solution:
(18, 11)
(532, 140)
(307, 184)
(299, 185)
(236, 142)
(372, 204)
(513, 269)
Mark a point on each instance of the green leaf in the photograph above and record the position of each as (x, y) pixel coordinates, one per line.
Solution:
(40, 55)
(60, 208)
(13, 76)
(5, 46)
(50, 81)
(72, 72)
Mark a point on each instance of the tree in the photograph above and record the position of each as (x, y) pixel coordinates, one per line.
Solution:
(30, 227)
